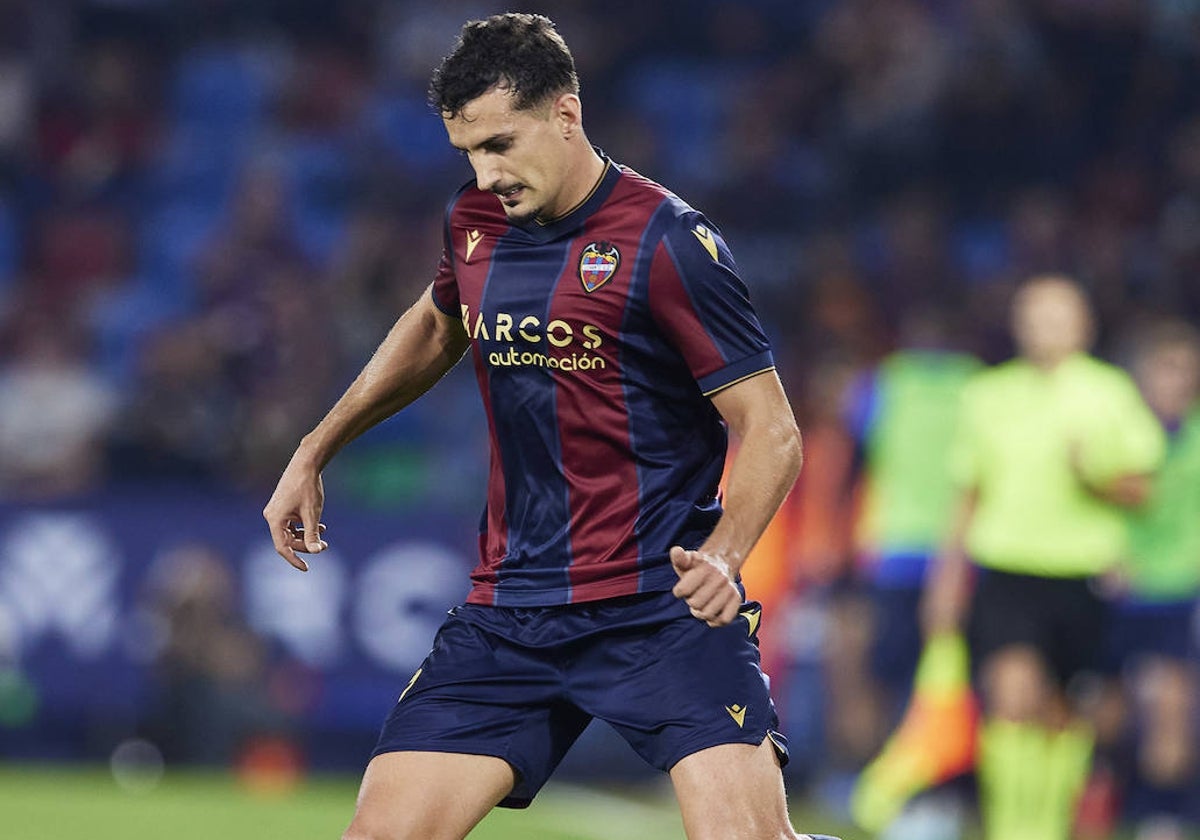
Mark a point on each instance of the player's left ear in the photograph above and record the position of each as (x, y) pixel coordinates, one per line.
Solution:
(568, 112)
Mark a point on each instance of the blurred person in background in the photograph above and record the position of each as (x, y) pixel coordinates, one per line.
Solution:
(211, 668)
(1151, 632)
(1051, 448)
(175, 423)
(901, 413)
(212, 399)
(55, 412)
(368, 275)
(608, 583)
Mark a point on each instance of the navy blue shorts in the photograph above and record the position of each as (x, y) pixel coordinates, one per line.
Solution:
(522, 683)
(896, 646)
(1141, 629)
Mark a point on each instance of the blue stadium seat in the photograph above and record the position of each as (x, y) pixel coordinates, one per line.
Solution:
(407, 129)
(219, 87)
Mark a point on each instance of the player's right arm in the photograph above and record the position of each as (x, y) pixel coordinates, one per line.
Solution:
(419, 349)
(948, 583)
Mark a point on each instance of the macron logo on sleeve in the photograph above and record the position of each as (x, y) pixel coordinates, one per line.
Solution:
(706, 239)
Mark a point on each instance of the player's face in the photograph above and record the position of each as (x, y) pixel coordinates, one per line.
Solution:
(1170, 379)
(1051, 320)
(520, 155)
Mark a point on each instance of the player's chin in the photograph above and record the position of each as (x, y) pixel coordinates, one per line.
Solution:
(521, 214)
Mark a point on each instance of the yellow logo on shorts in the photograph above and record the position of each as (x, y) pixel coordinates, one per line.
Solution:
(410, 684)
(752, 617)
(738, 713)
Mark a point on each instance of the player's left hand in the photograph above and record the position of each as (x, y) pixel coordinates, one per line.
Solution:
(706, 583)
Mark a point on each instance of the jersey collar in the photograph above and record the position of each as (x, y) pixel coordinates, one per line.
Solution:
(577, 215)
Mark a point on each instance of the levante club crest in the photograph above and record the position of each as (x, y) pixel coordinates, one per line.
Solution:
(598, 264)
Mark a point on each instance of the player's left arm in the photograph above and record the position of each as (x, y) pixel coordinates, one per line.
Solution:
(765, 467)
(1120, 465)
(1126, 491)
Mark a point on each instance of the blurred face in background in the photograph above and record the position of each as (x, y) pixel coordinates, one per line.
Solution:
(1051, 320)
(523, 156)
(1169, 376)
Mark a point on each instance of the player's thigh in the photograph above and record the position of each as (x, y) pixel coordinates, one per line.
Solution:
(678, 686)
(1017, 683)
(479, 693)
(732, 792)
(1167, 690)
(427, 795)
(895, 637)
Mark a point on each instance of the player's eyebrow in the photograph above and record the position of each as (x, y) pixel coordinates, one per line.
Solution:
(493, 140)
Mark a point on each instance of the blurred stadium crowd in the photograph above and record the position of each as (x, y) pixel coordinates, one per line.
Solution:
(212, 210)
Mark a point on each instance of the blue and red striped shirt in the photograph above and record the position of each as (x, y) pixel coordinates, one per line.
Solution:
(598, 339)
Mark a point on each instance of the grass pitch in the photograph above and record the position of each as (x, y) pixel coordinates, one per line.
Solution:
(63, 802)
(68, 803)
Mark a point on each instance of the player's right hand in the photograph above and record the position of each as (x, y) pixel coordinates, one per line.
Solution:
(294, 513)
(706, 583)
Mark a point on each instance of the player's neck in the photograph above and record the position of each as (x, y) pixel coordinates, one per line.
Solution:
(585, 172)
(1049, 362)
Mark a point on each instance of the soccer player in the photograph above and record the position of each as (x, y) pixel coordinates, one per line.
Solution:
(613, 344)
(901, 413)
(1051, 447)
(1151, 630)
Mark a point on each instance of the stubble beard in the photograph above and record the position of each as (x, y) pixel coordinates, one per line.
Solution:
(521, 216)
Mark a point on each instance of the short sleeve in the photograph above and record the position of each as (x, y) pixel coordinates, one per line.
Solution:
(1125, 439)
(445, 284)
(703, 308)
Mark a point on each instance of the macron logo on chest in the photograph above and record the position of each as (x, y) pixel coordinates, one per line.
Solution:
(474, 237)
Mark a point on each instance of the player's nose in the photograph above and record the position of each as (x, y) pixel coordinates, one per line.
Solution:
(486, 177)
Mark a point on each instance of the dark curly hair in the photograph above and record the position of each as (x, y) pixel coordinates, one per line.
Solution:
(519, 51)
